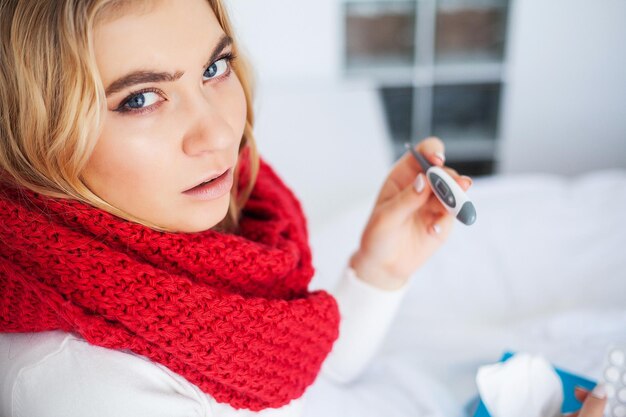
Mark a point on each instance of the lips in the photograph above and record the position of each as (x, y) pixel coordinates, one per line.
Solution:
(212, 190)
(209, 179)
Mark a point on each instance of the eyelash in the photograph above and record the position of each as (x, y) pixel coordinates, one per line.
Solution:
(229, 57)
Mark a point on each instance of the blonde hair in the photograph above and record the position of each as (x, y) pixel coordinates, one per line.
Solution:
(52, 99)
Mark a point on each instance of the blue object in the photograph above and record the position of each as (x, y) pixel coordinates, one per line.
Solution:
(569, 381)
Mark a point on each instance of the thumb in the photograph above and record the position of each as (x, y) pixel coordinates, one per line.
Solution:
(595, 403)
(412, 197)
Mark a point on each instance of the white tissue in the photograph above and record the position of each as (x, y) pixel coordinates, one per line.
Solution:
(523, 386)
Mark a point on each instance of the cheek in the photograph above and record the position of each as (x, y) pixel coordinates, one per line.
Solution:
(237, 103)
(122, 163)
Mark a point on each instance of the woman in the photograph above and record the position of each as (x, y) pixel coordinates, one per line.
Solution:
(153, 264)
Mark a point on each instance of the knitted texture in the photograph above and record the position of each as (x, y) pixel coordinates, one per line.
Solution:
(229, 312)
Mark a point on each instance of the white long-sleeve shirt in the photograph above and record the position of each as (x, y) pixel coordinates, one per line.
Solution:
(58, 374)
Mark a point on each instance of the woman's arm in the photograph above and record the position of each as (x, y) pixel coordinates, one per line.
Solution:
(407, 225)
(366, 312)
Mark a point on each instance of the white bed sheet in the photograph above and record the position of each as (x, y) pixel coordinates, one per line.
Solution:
(542, 270)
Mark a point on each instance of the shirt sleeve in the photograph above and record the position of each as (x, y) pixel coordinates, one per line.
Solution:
(366, 314)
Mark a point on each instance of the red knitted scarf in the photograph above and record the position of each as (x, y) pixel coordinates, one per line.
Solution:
(229, 312)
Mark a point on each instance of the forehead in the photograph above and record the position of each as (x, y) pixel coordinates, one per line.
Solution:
(118, 8)
(161, 35)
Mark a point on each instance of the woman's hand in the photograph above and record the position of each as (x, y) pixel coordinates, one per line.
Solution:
(593, 403)
(408, 223)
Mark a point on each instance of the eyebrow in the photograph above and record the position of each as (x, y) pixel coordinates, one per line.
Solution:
(146, 76)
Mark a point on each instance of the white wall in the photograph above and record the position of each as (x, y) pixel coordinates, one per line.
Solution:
(329, 142)
(326, 138)
(565, 104)
(290, 39)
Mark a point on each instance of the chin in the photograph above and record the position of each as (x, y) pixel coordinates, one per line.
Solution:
(199, 221)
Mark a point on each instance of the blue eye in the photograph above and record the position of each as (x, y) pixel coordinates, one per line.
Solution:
(146, 100)
(219, 67)
(141, 100)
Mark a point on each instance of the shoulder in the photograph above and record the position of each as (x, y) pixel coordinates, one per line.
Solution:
(56, 373)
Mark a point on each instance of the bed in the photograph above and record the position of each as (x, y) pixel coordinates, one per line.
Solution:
(543, 269)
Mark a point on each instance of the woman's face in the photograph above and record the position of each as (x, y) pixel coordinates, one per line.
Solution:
(175, 119)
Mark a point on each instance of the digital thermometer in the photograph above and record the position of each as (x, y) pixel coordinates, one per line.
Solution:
(447, 190)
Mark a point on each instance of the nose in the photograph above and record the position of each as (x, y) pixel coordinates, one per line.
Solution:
(207, 128)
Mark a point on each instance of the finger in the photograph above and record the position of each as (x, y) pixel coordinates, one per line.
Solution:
(440, 223)
(463, 180)
(434, 150)
(593, 407)
(434, 206)
(453, 172)
(595, 403)
(441, 227)
(404, 171)
(410, 199)
(580, 393)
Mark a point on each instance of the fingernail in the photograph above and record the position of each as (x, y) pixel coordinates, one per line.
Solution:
(468, 179)
(437, 228)
(441, 156)
(599, 391)
(419, 183)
